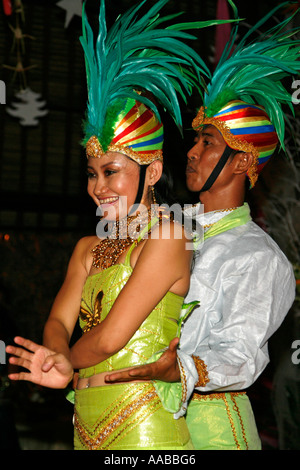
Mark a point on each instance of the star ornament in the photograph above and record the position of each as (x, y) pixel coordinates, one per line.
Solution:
(72, 7)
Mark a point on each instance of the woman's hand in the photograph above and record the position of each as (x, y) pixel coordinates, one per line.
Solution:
(46, 367)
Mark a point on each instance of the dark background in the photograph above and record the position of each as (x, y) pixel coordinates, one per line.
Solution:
(44, 209)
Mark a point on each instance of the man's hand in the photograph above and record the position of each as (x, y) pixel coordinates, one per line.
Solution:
(165, 369)
(46, 368)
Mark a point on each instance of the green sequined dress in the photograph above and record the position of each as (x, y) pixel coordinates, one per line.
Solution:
(127, 416)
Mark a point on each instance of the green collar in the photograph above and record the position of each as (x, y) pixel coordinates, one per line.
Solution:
(236, 218)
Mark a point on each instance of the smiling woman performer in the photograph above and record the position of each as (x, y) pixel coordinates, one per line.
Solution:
(129, 290)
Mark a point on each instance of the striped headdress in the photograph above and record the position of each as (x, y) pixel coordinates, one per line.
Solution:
(245, 94)
(137, 132)
(135, 59)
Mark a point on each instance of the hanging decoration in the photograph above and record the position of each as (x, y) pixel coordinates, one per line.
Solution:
(72, 7)
(18, 45)
(29, 109)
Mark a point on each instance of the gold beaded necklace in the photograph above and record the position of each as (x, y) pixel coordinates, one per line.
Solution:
(123, 233)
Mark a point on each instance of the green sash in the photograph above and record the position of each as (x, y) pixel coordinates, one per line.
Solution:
(236, 218)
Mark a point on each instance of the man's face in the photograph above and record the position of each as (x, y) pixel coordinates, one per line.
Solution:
(203, 157)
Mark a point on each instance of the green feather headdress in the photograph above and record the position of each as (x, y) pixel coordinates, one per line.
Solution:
(135, 56)
(245, 94)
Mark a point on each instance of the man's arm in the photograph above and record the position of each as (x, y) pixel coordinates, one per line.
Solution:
(165, 369)
(231, 341)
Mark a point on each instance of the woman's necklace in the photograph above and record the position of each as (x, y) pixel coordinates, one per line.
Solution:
(122, 234)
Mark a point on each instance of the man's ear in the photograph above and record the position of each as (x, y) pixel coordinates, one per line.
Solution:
(243, 161)
(154, 172)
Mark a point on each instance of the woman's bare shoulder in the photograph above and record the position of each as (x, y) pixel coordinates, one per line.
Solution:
(82, 254)
(86, 243)
(83, 249)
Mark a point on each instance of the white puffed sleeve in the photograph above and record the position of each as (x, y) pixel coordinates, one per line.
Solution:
(245, 286)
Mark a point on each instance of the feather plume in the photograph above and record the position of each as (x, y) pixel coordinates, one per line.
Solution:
(253, 69)
(137, 54)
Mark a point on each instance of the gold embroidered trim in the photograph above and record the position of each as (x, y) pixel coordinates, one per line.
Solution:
(236, 409)
(222, 396)
(202, 371)
(141, 158)
(94, 149)
(213, 395)
(183, 381)
(233, 141)
(231, 423)
(120, 419)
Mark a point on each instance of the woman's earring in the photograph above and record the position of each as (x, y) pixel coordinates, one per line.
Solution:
(153, 195)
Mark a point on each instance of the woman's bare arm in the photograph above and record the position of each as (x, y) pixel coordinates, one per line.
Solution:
(64, 313)
(163, 265)
(49, 365)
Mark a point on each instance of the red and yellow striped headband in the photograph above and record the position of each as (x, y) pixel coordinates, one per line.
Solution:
(245, 127)
(137, 133)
